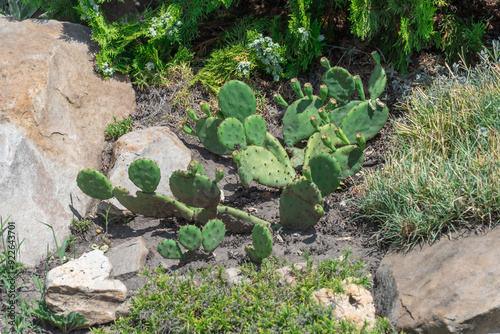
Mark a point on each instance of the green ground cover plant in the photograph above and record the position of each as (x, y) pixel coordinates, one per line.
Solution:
(119, 128)
(443, 174)
(203, 301)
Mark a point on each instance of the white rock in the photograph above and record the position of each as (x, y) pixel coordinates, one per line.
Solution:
(86, 286)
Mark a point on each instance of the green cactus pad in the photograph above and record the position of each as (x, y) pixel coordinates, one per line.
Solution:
(213, 234)
(206, 128)
(364, 119)
(298, 205)
(264, 168)
(195, 167)
(145, 174)
(262, 243)
(230, 133)
(338, 114)
(340, 84)
(297, 120)
(236, 99)
(376, 84)
(94, 184)
(190, 237)
(274, 146)
(255, 130)
(315, 144)
(194, 190)
(169, 249)
(325, 172)
(350, 159)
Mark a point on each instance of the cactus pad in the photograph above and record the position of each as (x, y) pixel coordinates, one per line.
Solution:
(338, 114)
(350, 159)
(316, 145)
(325, 172)
(377, 81)
(237, 100)
(230, 133)
(94, 184)
(262, 243)
(206, 128)
(194, 190)
(367, 118)
(340, 84)
(257, 163)
(296, 122)
(190, 237)
(213, 234)
(300, 205)
(169, 249)
(255, 130)
(145, 174)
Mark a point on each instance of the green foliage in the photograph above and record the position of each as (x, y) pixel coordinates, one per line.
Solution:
(303, 40)
(193, 13)
(203, 302)
(238, 33)
(119, 128)
(17, 9)
(269, 55)
(66, 323)
(138, 46)
(80, 226)
(222, 66)
(58, 9)
(455, 31)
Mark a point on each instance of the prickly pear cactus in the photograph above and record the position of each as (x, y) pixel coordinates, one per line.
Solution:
(169, 249)
(325, 173)
(296, 122)
(300, 205)
(262, 243)
(206, 128)
(194, 189)
(237, 100)
(340, 84)
(378, 79)
(231, 134)
(337, 115)
(94, 184)
(190, 237)
(367, 118)
(145, 174)
(213, 234)
(350, 159)
(255, 130)
(259, 164)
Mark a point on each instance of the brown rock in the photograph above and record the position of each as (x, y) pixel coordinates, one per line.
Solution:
(54, 109)
(452, 286)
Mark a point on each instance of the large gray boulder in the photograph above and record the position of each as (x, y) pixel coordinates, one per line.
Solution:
(452, 286)
(53, 112)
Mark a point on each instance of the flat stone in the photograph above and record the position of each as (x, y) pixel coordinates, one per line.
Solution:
(54, 109)
(86, 286)
(233, 276)
(452, 286)
(128, 258)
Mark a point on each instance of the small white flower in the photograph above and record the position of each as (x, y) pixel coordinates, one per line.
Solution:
(321, 38)
(149, 66)
(276, 77)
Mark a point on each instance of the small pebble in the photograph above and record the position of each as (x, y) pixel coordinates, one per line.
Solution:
(98, 231)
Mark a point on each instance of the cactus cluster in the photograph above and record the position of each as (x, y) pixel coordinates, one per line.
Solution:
(191, 238)
(333, 106)
(197, 195)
